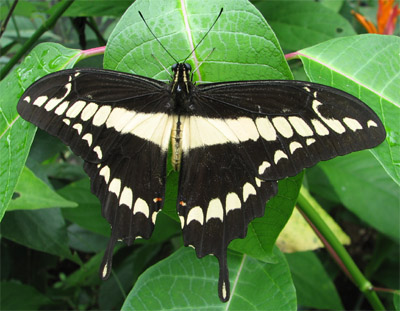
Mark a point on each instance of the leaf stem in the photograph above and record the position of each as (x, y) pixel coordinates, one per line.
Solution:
(306, 206)
(63, 6)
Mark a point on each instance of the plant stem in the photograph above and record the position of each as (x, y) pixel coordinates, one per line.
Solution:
(307, 203)
(63, 6)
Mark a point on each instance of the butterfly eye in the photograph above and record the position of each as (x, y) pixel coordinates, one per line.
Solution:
(188, 67)
(174, 67)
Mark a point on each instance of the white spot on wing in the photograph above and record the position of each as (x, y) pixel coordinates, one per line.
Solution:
(266, 129)
(89, 138)
(319, 127)
(78, 127)
(283, 126)
(371, 123)
(52, 103)
(89, 111)
(126, 197)
(119, 118)
(300, 126)
(279, 154)
(215, 210)
(248, 190)
(232, 202)
(141, 207)
(306, 88)
(154, 217)
(223, 290)
(154, 127)
(332, 123)
(258, 182)
(105, 172)
(101, 115)
(40, 101)
(75, 109)
(27, 99)
(105, 270)
(61, 109)
(67, 121)
(263, 167)
(182, 219)
(352, 124)
(97, 149)
(201, 131)
(196, 213)
(115, 186)
(310, 141)
(294, 145)
(243, 128)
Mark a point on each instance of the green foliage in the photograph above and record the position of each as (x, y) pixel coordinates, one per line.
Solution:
(53, 232)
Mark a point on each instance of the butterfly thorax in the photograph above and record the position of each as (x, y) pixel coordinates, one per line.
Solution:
(181, 87)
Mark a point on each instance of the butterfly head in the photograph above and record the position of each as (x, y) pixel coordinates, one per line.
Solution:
(182, 78)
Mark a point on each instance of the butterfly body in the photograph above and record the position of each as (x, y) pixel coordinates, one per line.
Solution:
(232, 142)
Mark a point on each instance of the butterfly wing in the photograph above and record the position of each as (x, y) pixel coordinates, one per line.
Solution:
(118, 124)
(244, 136)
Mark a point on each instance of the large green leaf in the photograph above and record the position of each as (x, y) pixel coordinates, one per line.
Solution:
(88, 213)
(245, 46)
(313, 285)
(368, 67)
(300, 24)
(42, 229)
(184, 282)
(16, 296)
(364, 188)
(263, 232)
(16, 135)
(33, 193)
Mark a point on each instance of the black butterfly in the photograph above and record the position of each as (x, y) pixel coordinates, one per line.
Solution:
(231, 140)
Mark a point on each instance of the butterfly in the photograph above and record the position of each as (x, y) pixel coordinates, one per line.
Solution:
(230, 141)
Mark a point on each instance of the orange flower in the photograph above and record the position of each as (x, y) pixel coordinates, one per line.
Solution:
(386, 18)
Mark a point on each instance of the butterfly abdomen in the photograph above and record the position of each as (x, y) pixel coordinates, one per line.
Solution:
(176, 141)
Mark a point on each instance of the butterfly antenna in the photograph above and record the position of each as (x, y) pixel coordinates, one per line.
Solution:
(140, 13)
(166, 70)
(220, 12)
(201, 63)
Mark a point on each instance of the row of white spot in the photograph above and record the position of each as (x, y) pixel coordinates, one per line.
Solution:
(215, 209)
(126, 195)
(197, 131)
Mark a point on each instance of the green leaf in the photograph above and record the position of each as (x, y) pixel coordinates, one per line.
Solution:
(16, 296)
(33, 193)
(365, 67)
(16, 135)
(88, 213)
(300, 24)
(42, 229)
(112, 292)
(314, 287)
(291, 241)
(184, 282)
(263, 232)
(396, 300)
(96, 8)
(131, 45)
(365, 189)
